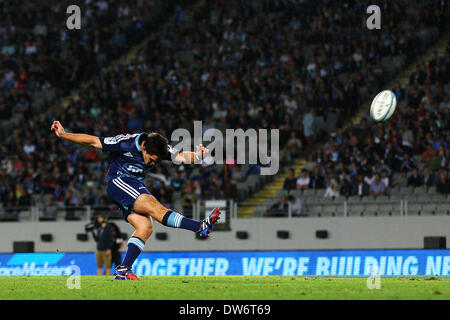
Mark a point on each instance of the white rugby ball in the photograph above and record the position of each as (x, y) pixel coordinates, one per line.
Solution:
(383, 106)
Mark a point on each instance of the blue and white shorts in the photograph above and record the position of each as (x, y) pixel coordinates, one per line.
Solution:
(124, 191)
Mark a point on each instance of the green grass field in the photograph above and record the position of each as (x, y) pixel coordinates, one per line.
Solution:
(223, 288)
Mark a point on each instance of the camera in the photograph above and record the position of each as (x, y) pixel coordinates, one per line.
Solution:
(92, 225)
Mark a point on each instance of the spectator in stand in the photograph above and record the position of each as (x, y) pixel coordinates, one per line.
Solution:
(407, 164)
(197, 189)
(303, 181)
(385, 178)
(189, 199)
(369, 178)
(359, 187)
(346, 188)
(290, 183)
(237, 174)
(229, 190)
(415, 180)
(70, 200)
(23, 198)
(91, 155)
(443, 184)
(215, 184)
(317, 181)
(297, 207)
(50, 211)
(401, 181)
(332, 190)
(434, 163)
(308, 130)
(58, 194)
(279, 209)
(428, 178)
(427, 154)
(293, 145)
(160, 177)
(377, 187)
(177, 182)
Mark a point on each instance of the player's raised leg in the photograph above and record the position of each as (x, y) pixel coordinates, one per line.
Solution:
(148, 205)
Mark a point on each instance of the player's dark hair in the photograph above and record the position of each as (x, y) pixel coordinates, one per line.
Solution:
(156, 144)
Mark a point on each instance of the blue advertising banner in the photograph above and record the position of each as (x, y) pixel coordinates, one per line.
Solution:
(247, 263)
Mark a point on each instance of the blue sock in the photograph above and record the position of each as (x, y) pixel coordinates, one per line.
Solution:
(175, 220)
(135, 246)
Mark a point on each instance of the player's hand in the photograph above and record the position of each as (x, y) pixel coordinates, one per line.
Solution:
(201, 151)
(57, 128)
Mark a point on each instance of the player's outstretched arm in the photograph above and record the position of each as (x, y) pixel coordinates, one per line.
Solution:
(80, 138)
(189, 157)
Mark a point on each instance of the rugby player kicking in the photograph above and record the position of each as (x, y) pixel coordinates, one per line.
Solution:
(134, 156)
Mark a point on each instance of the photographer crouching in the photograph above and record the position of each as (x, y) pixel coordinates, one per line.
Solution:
(102, 232)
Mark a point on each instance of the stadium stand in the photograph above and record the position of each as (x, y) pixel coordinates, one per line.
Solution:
(303, 67)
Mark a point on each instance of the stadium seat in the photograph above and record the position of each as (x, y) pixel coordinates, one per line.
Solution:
(260, 210)
(354, 199)
(384, 209)
(46, 199)
(309, 193)
(309, 200)
(328, 210)
(314, 210)
(320, 193)
(254, 182)
(442, 209)
(25, 214)
(297, 193)
(326, 200)
(396, 197)
(420, 190)
(282, 192)
(394, 191)
(396, 209)
(355, 209)
(340, 200)
(410, 197)
(424, 197)
(371, 210)
(438, 198)
(428, 209)
(406, 191)
(414, 209)
(431, 190)
(382, 199)
(339, 210)
(367, 199)
(36, 199)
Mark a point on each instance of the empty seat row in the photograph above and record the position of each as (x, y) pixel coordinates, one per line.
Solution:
(376, 209)
(318, 195)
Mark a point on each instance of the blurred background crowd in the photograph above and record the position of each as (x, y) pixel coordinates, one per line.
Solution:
(303, 67)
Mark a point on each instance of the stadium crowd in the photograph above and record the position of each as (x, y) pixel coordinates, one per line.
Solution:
(412, 149)
(300, 66)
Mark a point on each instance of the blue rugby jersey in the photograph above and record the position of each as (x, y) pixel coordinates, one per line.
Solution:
(128, 160)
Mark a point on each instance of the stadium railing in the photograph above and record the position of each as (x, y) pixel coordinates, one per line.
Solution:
(436, 205)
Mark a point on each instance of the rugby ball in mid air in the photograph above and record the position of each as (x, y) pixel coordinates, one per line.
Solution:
(383, 106)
